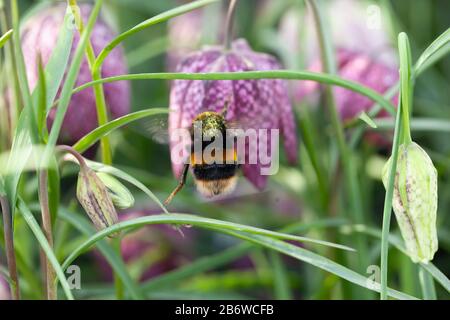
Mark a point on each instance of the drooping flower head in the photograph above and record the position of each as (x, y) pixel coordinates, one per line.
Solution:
(183, 37)
(415, 200)
(253, 104)
(357, 67)
(39, 37)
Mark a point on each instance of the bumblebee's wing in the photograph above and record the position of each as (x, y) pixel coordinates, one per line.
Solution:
(155, 128)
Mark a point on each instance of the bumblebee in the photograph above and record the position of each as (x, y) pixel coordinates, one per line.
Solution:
(215, 172)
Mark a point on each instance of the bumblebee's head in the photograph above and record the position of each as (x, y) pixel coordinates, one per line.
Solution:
(212, 123)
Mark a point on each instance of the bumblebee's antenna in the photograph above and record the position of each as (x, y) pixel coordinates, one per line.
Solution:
(179, 186)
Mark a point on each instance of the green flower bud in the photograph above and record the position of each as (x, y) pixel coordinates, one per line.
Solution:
(95, 199)
(415, 201)
(120, 195)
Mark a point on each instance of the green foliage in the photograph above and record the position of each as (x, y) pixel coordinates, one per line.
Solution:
(325, 265)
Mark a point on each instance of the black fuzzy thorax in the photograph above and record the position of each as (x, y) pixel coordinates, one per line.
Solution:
(215, 171)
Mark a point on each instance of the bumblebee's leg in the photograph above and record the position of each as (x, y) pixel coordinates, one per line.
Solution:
(180, 184)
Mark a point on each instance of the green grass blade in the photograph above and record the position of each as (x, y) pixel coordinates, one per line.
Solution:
(316, 260)
(186, 219)
(107, 251)
(57, 63)
(281, 281)
(248, 75)
(32, 223)
(439, 47)
(398, 243)
(402, 124)
(26, 129)
(4, 38)
(147, 23)
(214, 261)
(92, 137)
(417, 124)
(427, 284)
(199, 266)
(69, 83)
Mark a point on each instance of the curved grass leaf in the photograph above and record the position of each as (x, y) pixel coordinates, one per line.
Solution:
(92, 137)
(147, 23)
(437, 49)
(394, 240)
(4, 38)
(40, 237)
(417, 124)
(318, 261)
(57, 63)
(210, 262)
(186, 219)
(247, 75)
(107, 251)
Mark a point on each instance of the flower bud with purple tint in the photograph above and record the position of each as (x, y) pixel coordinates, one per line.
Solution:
(39, 37)
(260, 104)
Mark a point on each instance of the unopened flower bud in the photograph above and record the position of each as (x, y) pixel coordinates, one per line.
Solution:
(120, 195)
(415, 201)
(95, 199)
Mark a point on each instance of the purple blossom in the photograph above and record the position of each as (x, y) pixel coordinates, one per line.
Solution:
(357, 67)
(39, 37)
(255, 104)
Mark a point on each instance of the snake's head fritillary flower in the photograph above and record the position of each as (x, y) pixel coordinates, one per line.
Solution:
(260, 104)
(152, 250)
(415, 201)
(184, 36)
(357, 67)
(39, 37)
(4, 289)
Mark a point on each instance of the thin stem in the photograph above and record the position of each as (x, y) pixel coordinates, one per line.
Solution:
(47, 226)
(405, 83)
(100, 102)
(387, 210)
(9, 246)
(73, 152)
(352, 184)
(427, 284)
(229, 24)
(118, 284)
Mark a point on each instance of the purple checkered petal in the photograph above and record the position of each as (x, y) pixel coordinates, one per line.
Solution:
(253, 104)
(39, 36)
(357, 67)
